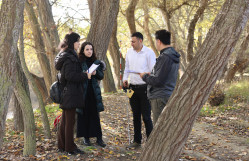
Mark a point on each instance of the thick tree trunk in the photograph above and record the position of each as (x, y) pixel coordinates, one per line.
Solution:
(146, 27)
(176, 121)
(35, 89)
(50, 32)
(115, 55)
(18, 117)
(39, 45)
(242, 59)
(130, 15)
(10, 24)
(22, 94)
(108, 82)
(100, 31)
(191, 29)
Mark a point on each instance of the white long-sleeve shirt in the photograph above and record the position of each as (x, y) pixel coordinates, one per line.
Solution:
(140, 62)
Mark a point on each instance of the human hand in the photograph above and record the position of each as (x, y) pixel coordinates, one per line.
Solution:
(125, 83)
(94, 72)
(89, 75)
(142, 74)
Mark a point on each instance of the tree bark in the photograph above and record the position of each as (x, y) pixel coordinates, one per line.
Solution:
(130, 15)
(40, 83)
(108, 82)
(191, 29)
(18, 117)
(39, 45)
(10, 24)
(176, 121)
(242, 59)
(22, 94)
(100, 31)
(115, 55)
(50, 32)
(44, 116)
(146, 27)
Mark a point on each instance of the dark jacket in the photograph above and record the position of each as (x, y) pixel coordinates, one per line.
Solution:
(95, 83)
(162, 80)
(72, 79)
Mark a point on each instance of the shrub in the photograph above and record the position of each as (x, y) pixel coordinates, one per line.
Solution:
(217, 95)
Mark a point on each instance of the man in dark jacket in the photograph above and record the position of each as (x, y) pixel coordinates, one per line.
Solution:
(162, 80)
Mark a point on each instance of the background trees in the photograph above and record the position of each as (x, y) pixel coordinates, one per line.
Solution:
(108, 26)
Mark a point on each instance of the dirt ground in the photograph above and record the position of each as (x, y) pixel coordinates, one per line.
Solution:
(221, 137)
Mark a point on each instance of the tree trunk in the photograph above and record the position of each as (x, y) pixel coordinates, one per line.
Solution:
(50, 33)
(40, 83)
(146, 27)
(176, 121)
(22, 94)
(115, 55)
(18, 117)
(191, 29)
(35, 89)
(10, 24)
(100, 31)
(242, 59)
(108, 82)
(39, 45)
(130, 15)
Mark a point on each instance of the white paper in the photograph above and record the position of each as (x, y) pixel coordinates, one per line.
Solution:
(132, 71)
(92, 68)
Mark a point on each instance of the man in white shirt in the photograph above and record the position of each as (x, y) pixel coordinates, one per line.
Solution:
(139, 59)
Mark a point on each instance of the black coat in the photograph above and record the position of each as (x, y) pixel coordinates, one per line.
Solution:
(95, 84)
(72, 79)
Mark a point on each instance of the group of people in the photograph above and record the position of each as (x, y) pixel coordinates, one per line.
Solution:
(81, 93)
(152, 80)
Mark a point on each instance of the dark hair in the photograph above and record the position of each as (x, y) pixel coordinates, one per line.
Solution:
(163, 36)
(69, 40)
(138, 35)
(82, 56)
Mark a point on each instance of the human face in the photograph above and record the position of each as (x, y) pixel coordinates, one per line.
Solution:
(88, 51)
(76, 45)
(136, 43)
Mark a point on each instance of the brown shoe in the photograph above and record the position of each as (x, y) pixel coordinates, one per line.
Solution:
(134, 145)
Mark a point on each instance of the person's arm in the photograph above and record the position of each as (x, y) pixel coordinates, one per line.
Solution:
(151, 60)
(162, 71)
(71, 74)
(125, 76)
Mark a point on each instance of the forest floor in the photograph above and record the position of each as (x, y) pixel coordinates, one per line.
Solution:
(222, 136)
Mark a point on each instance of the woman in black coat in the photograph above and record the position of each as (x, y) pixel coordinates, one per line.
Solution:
(72, 78)
(88, 121)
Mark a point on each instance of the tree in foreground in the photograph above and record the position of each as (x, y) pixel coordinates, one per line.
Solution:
(176, 121)
(10, 24)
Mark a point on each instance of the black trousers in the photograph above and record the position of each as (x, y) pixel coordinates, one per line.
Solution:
(140, 106)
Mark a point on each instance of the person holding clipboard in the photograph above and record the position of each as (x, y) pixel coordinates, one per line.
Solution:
(88, 121)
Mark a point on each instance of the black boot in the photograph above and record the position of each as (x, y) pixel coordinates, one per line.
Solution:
(100, 142)
(87, 142)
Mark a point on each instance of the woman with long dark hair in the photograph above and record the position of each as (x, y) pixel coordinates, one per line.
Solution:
(72, 78)
(88, 122)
